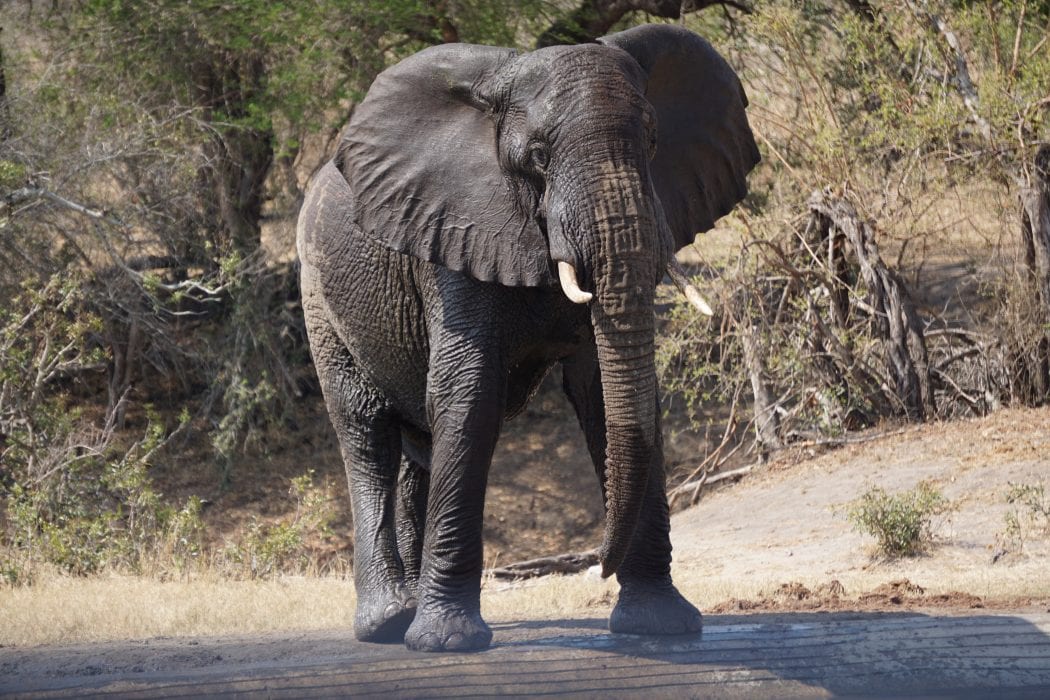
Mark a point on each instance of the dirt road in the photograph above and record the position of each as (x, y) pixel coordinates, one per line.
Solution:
(758, 655)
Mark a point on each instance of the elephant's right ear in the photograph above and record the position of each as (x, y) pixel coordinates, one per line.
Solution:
(420, 156)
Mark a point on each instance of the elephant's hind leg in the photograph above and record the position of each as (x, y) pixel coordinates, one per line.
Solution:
(413, 484)
(370, 440)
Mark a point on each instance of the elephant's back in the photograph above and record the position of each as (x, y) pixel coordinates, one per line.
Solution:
(371, 296)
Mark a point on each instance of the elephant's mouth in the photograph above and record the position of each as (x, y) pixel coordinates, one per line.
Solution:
(568, 263)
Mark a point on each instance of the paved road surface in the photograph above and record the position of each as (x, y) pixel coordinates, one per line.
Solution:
(976, 654)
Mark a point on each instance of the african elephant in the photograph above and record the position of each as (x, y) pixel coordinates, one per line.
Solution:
(445, 250)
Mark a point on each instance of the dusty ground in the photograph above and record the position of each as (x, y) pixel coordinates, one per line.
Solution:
(786, 523)
(798, 655)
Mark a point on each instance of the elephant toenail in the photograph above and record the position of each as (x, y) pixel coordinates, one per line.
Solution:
(456, 640)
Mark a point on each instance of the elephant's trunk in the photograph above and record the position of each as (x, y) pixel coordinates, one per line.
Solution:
(625, 356)
(622, 314)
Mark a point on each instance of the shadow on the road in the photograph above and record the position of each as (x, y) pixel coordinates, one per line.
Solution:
(770, 655)
(895, 653)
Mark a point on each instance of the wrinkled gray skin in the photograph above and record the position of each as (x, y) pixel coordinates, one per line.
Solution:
(429, 249)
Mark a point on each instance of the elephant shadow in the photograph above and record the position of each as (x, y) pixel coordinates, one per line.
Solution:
(888, 654)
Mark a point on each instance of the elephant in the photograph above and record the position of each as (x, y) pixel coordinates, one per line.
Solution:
(489, 214)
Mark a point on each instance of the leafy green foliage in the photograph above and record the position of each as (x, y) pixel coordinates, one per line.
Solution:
(901, 523)
(285, 546)
(72, 496)
(97, 512)
(11, 174)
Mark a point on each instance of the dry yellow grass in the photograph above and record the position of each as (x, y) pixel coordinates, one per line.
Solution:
(585, 596)
(62, 610)
(67, 610)
(1020, 582)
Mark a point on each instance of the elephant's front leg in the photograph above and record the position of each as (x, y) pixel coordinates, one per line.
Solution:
(466, 397)
(649, 603)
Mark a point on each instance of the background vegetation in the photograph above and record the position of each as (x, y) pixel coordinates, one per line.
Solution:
(892, 261)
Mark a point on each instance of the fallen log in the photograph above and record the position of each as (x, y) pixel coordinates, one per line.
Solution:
(571, 563)
(709, 479)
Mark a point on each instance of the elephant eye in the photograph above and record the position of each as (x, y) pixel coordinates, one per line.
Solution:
(539, 157)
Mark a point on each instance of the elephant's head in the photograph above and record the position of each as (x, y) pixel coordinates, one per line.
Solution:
(586, 165)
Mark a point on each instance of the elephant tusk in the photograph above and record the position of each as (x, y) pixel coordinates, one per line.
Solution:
(569, 285)
(678, 276)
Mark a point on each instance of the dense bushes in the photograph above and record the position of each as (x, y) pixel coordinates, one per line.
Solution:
(877, 269)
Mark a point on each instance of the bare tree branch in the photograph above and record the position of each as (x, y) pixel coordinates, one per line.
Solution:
(963, 81)
(594, 18)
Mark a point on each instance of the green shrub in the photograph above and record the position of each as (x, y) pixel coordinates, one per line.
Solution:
(901, 523)
(11, 174)
(74, 496)
(268, 549)
(99, 512)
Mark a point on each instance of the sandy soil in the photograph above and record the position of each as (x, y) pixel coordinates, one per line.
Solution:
(787, 524)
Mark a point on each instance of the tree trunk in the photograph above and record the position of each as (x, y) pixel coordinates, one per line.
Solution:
(1035, 237)
(767, 422)
(899, 325)
(240, 152)
(571, 563)
(594, 18)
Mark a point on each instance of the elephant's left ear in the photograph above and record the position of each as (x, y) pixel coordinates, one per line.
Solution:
(705, 148)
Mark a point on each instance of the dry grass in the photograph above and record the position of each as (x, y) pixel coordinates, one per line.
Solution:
(550, 597)
(67, 610)
(1027, 581)
(586, 596)
(62, 610)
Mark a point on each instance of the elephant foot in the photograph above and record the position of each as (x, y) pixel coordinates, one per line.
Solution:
(654, 609)
(384, 618)
(446, 630)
